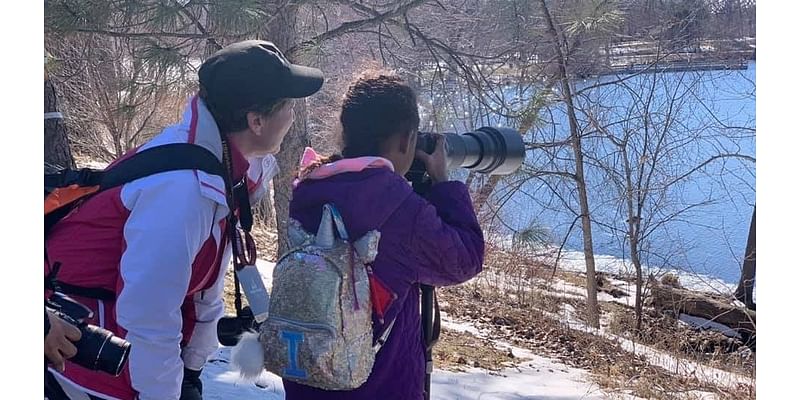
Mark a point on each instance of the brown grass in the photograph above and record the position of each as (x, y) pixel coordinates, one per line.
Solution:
(456, 351)
(667, 334)
(609, 364)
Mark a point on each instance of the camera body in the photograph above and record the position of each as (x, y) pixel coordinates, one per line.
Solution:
(98, 348)
(230, 329)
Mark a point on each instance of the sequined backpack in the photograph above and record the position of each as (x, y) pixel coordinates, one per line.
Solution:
(319, 329)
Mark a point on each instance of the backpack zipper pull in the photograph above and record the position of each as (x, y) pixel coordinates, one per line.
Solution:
(353, 275)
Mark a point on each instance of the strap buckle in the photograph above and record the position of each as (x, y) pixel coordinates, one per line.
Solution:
(82, 177)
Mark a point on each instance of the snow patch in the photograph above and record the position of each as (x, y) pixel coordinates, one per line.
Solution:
(677, 365)
(572, 260)
(534, 378)
(703, 323)
(265, 268)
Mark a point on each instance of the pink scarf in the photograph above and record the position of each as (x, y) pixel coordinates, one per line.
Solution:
(341, 166)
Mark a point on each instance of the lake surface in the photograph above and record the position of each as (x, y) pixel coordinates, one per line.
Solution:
(702, 112)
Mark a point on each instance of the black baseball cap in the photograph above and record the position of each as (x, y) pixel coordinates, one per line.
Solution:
(254, 72)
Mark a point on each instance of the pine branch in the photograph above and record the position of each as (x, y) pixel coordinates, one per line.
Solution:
(351, 26)
(202, 29)
(113, 33)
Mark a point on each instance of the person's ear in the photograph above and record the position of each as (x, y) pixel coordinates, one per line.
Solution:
(409, 143)
(255, 121)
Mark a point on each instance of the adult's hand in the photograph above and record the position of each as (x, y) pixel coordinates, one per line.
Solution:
(58, 344)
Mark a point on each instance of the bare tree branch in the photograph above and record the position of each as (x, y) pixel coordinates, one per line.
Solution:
(349, 27)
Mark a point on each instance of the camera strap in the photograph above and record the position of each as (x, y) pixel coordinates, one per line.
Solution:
(242, 244)
(431, 328)
(430, 316)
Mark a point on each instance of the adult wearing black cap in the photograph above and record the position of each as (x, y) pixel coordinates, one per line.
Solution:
(249, 80)
(159, 245)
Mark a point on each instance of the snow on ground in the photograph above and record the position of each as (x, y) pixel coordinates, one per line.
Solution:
(681, 366)
(221, 383)
(574, 261)
(674, 364)
(460, 326)
(565, 289)
(534, 377)
(94, 164)
(703, 323)
(558, 287)
(265, 268)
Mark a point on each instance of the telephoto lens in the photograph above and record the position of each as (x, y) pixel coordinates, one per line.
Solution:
(487, 150)
(100, 350)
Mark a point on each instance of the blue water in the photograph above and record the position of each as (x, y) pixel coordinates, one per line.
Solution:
(702, 114)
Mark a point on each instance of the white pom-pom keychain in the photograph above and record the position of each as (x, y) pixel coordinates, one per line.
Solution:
(247, 356)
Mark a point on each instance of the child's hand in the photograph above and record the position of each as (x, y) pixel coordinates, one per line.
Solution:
(435, 163)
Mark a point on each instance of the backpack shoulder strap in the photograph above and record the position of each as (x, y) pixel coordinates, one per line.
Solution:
(169, 157)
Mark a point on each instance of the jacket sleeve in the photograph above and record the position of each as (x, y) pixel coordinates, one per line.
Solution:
(169, 221)
(447, 241)
(208, 305)
(208, 309)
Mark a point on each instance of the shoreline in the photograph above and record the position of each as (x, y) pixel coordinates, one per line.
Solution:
(573, 261)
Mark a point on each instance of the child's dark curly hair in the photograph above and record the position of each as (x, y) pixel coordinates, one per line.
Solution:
(377, 105)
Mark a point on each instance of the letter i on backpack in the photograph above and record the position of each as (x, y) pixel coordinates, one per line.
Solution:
(319, 329)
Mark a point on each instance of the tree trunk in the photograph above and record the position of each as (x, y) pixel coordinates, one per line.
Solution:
(744, 292)
(283, 31)
(288, 161)
(586, 223)
(56, 143)
(682, 301)
(484, 193)
(637, 263)
(634, 227)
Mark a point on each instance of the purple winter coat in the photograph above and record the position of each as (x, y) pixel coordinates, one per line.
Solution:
(436, 242)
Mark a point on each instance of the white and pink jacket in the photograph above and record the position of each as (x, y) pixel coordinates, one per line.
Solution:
(160, 243)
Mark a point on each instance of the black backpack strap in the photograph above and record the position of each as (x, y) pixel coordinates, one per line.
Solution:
(67, 177)
(169, 157)
(51, 283)
(89, 292)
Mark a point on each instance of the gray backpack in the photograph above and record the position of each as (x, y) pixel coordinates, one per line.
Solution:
(319, 329)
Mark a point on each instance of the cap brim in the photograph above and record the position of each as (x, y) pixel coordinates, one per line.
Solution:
(305, 81)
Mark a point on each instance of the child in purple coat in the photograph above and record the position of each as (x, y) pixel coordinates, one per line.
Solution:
(433, 241)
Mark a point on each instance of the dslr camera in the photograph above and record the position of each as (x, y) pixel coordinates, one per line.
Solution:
(98, 348)
(486, 150)
(231, 328)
